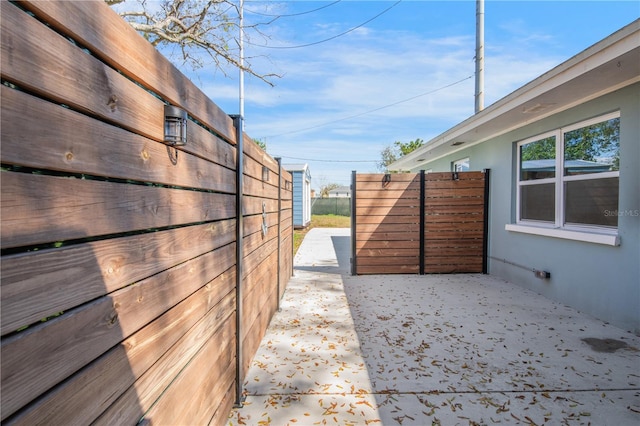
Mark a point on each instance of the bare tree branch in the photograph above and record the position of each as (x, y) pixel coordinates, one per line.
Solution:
(197, 27)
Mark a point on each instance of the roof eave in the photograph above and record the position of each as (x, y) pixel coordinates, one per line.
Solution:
(607, 66)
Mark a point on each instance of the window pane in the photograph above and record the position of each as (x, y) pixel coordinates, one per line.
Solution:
(537, 159)
(461, 165)
(537, 202)
(592, 202)
(592, 149)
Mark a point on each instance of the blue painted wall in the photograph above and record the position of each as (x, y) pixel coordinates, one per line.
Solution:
(301, 197)
(601, 280)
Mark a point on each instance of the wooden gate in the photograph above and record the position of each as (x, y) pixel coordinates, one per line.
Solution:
(419, 223)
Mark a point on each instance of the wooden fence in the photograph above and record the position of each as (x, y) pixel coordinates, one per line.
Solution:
(419, 223)
(119, 258)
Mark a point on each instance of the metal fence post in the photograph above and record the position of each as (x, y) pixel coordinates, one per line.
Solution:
(239, 255)
(485, 232)
(422, 220)
(279, 160)
(354, 258)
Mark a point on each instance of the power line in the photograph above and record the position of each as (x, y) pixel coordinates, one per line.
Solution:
(330, 38)
(292, 14)
(373, 110)
(331, 161)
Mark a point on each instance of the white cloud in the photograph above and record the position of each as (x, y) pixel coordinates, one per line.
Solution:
(342, 100)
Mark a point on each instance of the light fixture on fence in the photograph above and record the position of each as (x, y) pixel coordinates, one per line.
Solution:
(175, 126)
(265, 173)
(386, 180)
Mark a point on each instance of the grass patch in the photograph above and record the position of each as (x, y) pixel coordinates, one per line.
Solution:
(320, 221)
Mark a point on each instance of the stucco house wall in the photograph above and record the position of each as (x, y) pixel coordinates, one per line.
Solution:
(599, 279)
(602, 276)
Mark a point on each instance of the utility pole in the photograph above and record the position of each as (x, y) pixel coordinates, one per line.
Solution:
(479, 94)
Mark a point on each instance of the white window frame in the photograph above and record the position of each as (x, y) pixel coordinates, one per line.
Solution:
(560, 229)
(464, 161)
(544, 224)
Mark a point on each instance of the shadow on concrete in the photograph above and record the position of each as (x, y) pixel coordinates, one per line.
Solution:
(433, 349)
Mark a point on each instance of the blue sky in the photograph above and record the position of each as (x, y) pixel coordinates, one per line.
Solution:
(406, 74)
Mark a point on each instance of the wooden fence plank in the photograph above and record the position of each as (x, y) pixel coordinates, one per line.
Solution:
(94, 25)
(81, 399)
(379, 219)
(454, 227)
(454, 202)
(388, 236)
(392, 195)
(260, 304)
(258, 188)
(458, 218)
(451, 269)
(447, 176)
(254, 152)
(38, 358)
(286, 260)
(378, 244)
(454, 234)
(216, 327)
(473, 250)
(388, 269)
(377, 177)
(461, 241)
(256, 240)
(253, 205)
(388, 261)
(39, 284)
(196, 392)
(254, 169)
(477, 184)
(387, 252)
(256, 257)
(448, 193)
(453, 209)
(388, 227)
(364, 203)
(67, 141)
(253, 224)
(412, 185)
(386, 211)
(101, 91)
(40, 209)
(256, 324)
(221, 416)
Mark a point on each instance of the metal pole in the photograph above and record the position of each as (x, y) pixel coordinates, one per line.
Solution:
(293, 229)
(239, 258)
(422, 221)
(479, 95)
(279, 160)
(485, 229)
(242, 61)
(354, 257)
(239, 123)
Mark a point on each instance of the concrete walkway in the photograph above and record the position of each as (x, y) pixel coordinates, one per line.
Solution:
(432, 350)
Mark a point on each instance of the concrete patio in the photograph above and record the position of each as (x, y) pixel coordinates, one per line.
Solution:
(432, 350)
